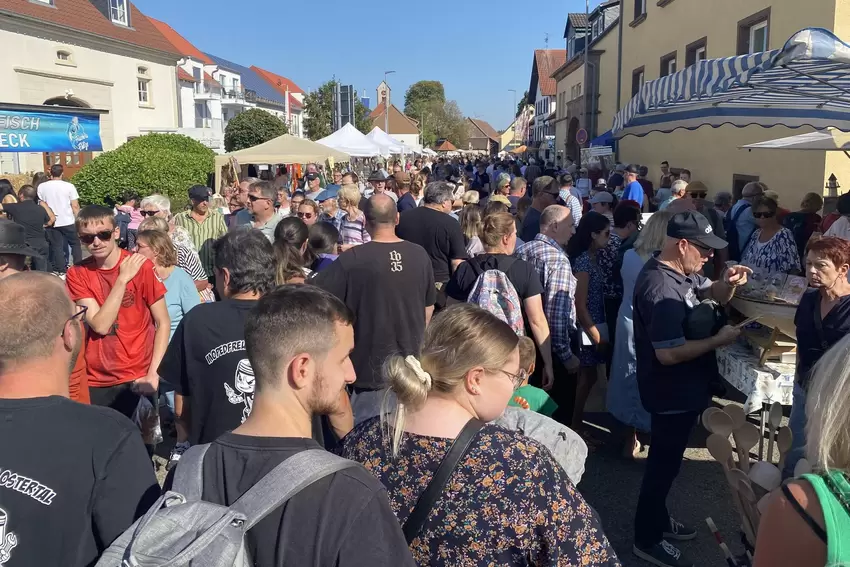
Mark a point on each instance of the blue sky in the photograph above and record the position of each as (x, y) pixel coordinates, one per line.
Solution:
(478, 49)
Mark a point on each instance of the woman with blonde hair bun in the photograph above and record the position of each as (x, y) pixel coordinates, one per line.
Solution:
(507, 501)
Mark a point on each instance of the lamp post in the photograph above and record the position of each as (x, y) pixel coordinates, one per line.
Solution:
(387, 104)
(514, 110)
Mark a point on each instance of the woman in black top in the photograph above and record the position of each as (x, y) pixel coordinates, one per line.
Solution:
(499, 239)
(822, 319)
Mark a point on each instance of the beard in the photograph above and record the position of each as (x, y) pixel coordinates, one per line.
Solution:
(322, 401)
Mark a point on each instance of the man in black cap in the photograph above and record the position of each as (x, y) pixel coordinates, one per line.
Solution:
(313, 186)
(676, 368)
(633, 190)
(203, 224)
(14, 249)
(378, 181)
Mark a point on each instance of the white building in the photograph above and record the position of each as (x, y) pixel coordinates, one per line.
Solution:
(99, 64)
(542, 94)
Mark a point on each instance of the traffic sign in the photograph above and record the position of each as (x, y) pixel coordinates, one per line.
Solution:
(581, 136)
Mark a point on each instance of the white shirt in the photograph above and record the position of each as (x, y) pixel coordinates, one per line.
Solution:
(58, 195)
(840, 228)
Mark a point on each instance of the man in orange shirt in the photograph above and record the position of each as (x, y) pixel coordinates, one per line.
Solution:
(125, 312)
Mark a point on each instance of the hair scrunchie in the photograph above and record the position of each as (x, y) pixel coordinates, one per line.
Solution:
(414, 364)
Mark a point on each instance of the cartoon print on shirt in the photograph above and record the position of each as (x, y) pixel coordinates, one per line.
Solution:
(8, 541)
(244, 392)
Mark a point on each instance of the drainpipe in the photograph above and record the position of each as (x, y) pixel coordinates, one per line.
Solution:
(620, 69)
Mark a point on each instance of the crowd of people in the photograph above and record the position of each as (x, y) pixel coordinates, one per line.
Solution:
(392, 320)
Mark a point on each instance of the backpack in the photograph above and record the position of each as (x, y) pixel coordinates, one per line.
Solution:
(494, 293)
(730, 224)
(181, 530)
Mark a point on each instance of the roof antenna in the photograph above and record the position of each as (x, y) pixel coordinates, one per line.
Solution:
(546, 41)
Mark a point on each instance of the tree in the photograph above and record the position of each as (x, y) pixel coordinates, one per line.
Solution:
(252, 128)
(167, 164)
(318, 106)
(422, 94)
(522, 104)
(361, 117)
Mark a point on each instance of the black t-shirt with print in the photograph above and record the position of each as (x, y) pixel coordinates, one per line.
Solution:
(387, 285)
(342, 520)
(436, 232)
(29, 215)
(73, 477)
(812, 344)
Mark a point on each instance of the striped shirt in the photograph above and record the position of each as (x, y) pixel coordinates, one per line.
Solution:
(203, 234)
(353, 231)
(191, 264)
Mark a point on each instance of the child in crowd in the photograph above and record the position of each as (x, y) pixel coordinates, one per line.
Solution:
(131, 207)
(531, 397)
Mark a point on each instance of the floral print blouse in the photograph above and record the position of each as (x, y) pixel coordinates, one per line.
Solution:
(779, 254)
(508, 503)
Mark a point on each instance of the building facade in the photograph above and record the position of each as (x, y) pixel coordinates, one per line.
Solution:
(542, 95)
(106, 61)
(393, 121)
(667, 36)
(482, 136)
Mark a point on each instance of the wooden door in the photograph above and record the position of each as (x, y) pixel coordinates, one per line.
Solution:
(71, 161)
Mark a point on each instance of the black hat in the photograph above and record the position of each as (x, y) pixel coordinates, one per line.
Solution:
(199, 193)
(312, 176)
(692, 226)
(13, 239)
(632, 168)
(378, 175)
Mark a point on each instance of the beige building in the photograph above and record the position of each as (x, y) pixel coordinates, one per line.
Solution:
(663, 37)
(92, 58)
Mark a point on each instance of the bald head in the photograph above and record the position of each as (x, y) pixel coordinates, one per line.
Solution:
(551, 215)
(35, 309)
(381, 210)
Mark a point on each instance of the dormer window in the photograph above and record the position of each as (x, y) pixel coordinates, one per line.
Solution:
(64, 57)
(119, 12)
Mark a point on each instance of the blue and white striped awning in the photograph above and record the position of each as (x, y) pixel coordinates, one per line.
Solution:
(806, 83)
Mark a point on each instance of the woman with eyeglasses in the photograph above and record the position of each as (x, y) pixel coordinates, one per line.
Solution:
(308, 211)
(507, 502)
(771, 247)
(590, 238)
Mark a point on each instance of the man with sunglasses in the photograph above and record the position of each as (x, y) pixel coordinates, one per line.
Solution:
(204, 226)
(74, 477)
(261, 200)
(126, 314)
(676, 368)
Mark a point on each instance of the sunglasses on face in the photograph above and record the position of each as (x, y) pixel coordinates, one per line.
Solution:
(255, 198)
(764, 215)
(103, 236)
(148, 213)
(304, 215)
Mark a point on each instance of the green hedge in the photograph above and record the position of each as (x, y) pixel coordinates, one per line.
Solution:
(252, 128)
(155, 163)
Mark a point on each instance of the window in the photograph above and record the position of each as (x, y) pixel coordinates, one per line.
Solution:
(64, 57)
(637, 80)
(48, 2)
(668, 64)
(118, 12)
(144, 84)
(754, 33)
(640, 8)
(696, 51)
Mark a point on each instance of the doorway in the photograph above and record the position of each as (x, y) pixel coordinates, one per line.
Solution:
(72, 162)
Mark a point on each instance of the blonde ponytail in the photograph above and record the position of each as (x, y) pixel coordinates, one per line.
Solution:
(410, 383)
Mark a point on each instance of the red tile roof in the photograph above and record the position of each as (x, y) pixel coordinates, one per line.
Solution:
(180, 43)
(446, 146)
(547, 61)
(182, 75)
(279, 82)
(81, 15)
(208, 79)
(400, 123)
(484, 128)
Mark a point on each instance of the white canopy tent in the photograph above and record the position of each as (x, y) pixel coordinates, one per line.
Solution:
(352, 141)
(387, 142)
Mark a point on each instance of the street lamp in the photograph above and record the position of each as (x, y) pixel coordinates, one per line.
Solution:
(514, 110)
(387, 104)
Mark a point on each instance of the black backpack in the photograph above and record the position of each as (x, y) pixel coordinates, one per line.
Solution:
(730, 224)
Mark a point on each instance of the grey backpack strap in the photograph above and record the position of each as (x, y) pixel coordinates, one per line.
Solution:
(285, 481)
(189, 474)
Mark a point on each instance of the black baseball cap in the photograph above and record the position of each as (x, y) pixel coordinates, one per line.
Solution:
(199, 193)
(312, 176)
(632, 168)
(694, 227)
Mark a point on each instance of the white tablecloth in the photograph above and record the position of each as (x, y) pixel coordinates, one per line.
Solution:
(773, 382)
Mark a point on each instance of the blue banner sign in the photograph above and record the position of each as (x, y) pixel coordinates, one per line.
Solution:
(49, 132)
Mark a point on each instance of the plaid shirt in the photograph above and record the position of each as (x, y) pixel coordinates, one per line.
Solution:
(559, 285)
